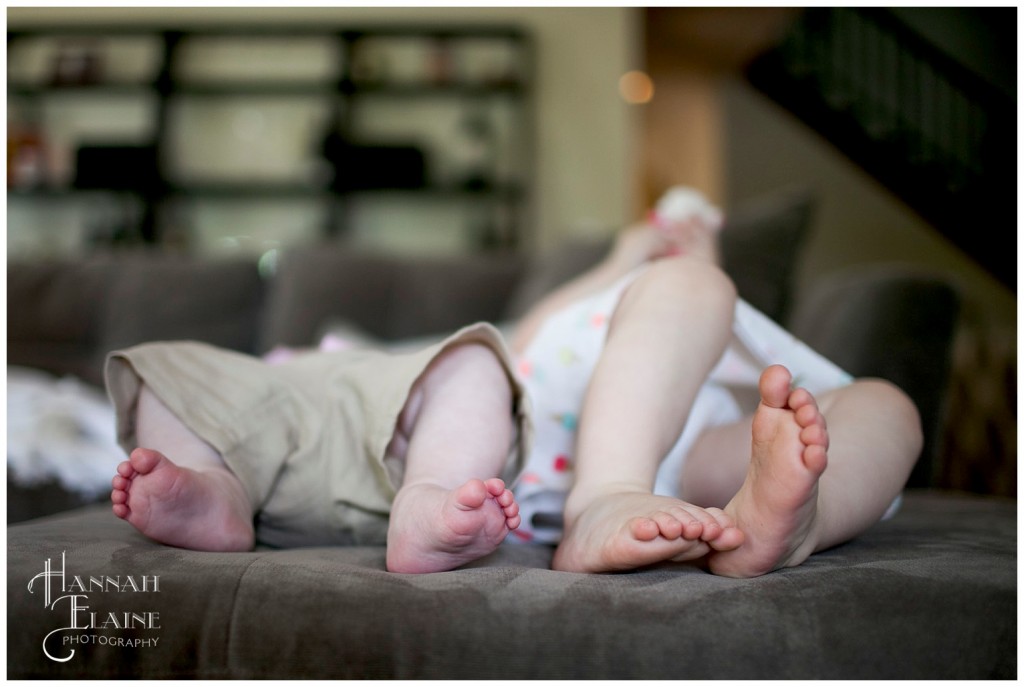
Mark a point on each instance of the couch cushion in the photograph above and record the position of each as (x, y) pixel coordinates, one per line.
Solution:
(54, 313)
(65, 316)
(891, 321)
(390, 297)
(930, 594)
(160, 297)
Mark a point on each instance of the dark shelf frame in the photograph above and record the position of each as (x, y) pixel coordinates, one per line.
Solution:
(166, 88)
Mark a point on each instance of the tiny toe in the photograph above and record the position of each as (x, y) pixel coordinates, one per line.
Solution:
(144, 460)
(730, 539)
(494, 486)
(472, 494)
(809, 415)
(121, 510)
(815, 458)
(505, 498)
(692, 526)
(511, 510)
(693, 530)
(125, 469)
(712, 530)
(723, 519)
(118, 496)
(774, 386)
(800, 398)
(119, 482)
(513, 522)
(814, 435)
(668, 525)
(644, 529)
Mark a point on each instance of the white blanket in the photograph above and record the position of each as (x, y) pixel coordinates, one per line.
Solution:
(59, 429)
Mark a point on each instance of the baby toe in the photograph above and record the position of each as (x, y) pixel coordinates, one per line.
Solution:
(472, 494)
(494, 486)
(692, 526)
(808, 415)
(668, 525)
(723, 519)
(814, 435)
(505, 498)
(800, 398)
(644, 529)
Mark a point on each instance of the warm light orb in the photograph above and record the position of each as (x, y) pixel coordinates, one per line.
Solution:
(636, 87)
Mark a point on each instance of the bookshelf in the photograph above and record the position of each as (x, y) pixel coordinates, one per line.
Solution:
(331, 124)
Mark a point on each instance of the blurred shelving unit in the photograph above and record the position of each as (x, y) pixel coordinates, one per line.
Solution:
(408, 137)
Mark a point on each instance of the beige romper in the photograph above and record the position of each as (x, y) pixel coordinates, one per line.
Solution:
(308, 437)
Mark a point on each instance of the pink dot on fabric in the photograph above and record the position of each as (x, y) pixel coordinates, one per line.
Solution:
(525, 368)
(523, 535)
(598, 319)
(561, 463)
(530, 478)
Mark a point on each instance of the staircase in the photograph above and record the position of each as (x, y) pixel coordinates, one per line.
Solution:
(936, 134)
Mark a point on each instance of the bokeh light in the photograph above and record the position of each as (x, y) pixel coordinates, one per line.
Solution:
(636, 87)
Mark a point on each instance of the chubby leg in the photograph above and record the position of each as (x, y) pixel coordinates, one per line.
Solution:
(194, 501)
(454, 434)
(770, 474)
(669, 329)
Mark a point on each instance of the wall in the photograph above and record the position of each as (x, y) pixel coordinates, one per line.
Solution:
(857, 220)
(708, 128)
(585, 137)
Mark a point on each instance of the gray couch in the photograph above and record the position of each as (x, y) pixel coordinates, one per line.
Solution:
(928, 594)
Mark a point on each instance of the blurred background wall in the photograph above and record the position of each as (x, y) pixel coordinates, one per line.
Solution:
(578, 134)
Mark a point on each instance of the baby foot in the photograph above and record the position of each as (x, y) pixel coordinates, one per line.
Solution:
(202, 510)
(776, 507)
(628, 530)
(433, 529)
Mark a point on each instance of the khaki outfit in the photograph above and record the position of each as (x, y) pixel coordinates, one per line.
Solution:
(307, 438)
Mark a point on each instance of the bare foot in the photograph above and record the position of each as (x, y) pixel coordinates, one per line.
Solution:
(776, 507)
(202, 510)
(627, 530)
(434, 529)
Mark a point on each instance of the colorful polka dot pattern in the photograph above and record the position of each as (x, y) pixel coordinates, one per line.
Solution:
(555, 371)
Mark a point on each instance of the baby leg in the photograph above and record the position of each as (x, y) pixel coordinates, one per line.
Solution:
(455, 433)
(194, 501)
(669, 329)
(785, 501)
